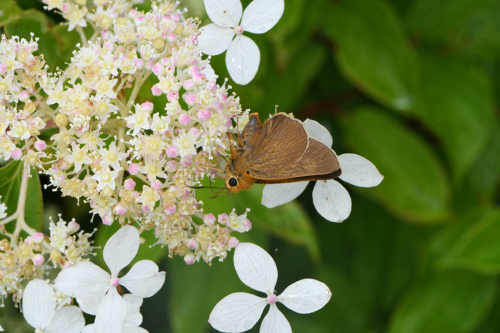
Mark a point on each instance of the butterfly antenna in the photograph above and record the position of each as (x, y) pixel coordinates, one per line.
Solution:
(209, 167)
(218, 195)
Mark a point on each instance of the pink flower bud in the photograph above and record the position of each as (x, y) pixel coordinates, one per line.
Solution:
(190, 258)
(149, 65)
(156, 184)
(192, 244)
(172, 151)
(248, 224)
(204, 114)
(184, 119)
(115, 282)
(156, 91)
(38, 259)
(129, 184)
(211, 86)
(38, 238)
(147, 106)
(193, 69)
(228, 122)
(120, 210)
(233, 242)
(3, 68)
(174, 95)
(222, 218)
(16, 154)
(193, 132)
(23, 96)
(158, 69)
(189, 98)
(171, 37)
(188, 85)
(28, 240)
(170, 210)
(107, 220)
(73, 226)
(133, 168)
(199, 78)
(209, 219)
(139, 63)
(271, 299)
(164, 61)
(171, 166)
(40, 145)
(187, 160)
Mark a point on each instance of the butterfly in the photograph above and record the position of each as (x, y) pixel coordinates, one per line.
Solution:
(280, 151)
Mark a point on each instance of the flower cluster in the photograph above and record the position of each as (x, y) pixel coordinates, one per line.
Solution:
(137, 162)
(27, 259)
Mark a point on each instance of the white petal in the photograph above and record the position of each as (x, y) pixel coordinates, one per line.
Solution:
(143, 279)
(134, 330)
(134, 317)
(215, 39)
(305, 296)
(1, 328)
(275, 322)
(279, 194)
(237, 312)
(209, 73)
(92, 303)
(242, 59)
(69, 319)
(121, 248)
(255, 267)
(82, 279)
(89, 329)
(262, 15)
(318, 131)
(332, 201)
(359, 171)
(111, 314)
(226, 13)
(39, 303)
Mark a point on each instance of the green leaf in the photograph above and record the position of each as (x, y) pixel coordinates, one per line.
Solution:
(445, 301)
(373, 52)
(10, 184)
(9, 10)
(415, 185)
(195, 290)
(477, 248)
(457, 104)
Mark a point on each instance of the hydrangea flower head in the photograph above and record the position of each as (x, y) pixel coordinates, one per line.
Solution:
(243, 55)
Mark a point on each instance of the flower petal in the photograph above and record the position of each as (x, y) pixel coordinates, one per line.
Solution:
(359, 171)
(134, 317)
(215, 39)
(242, 59)
(332, 201)
(255, 267)
(121, 248)
(278, 194)
(39, 303)
(134, 330)
(1, 328)
(318, 131)
(226, 13)
(69, 319)
(82, 279)
(275, 322)
(92, 303)
(305, 296)
(89, 329)
(209, 73)
(111, 314)
(262, 15)
(143, 279)
(237, 312)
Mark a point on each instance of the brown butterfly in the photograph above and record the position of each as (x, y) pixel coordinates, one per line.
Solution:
(280, 151)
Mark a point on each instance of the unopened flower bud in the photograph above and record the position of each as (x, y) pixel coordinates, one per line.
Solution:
(61, 120)
(209, 219)
(129, 184)
(40, 145)
(55, 256)
(233, 242)
(133, 169)
(73, 227)
(16, 154)
(192, 244)
(38, 259)
(190, 258)
(120, 210)
(38, 238)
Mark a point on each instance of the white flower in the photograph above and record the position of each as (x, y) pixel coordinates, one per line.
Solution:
(239, 312)
(243, 56)
(88, 282)
(39, 309)
(3, 209)
(105, 177)
(330, 198)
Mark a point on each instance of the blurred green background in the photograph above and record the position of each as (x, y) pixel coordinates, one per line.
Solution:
(412, 85)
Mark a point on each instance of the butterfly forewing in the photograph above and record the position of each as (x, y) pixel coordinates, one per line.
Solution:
(251, 132)
(283, 141)
(317, 160)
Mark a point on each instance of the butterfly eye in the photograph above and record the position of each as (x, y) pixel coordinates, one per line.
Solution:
(232, 182)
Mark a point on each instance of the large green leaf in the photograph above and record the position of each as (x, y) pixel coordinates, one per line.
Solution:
(445, 301)
(10, 185)
(10, 10)
(457, 104)
(477, 248)
(415, 186)
(373, 52)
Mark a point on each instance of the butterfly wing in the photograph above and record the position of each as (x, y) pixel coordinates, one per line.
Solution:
(251, 131)
(318, 162)
(282, 141)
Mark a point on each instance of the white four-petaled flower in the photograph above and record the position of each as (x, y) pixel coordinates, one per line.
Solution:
(243, 55)
(330, 198)
(39, 308)
(239, 312)
(88, 282)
